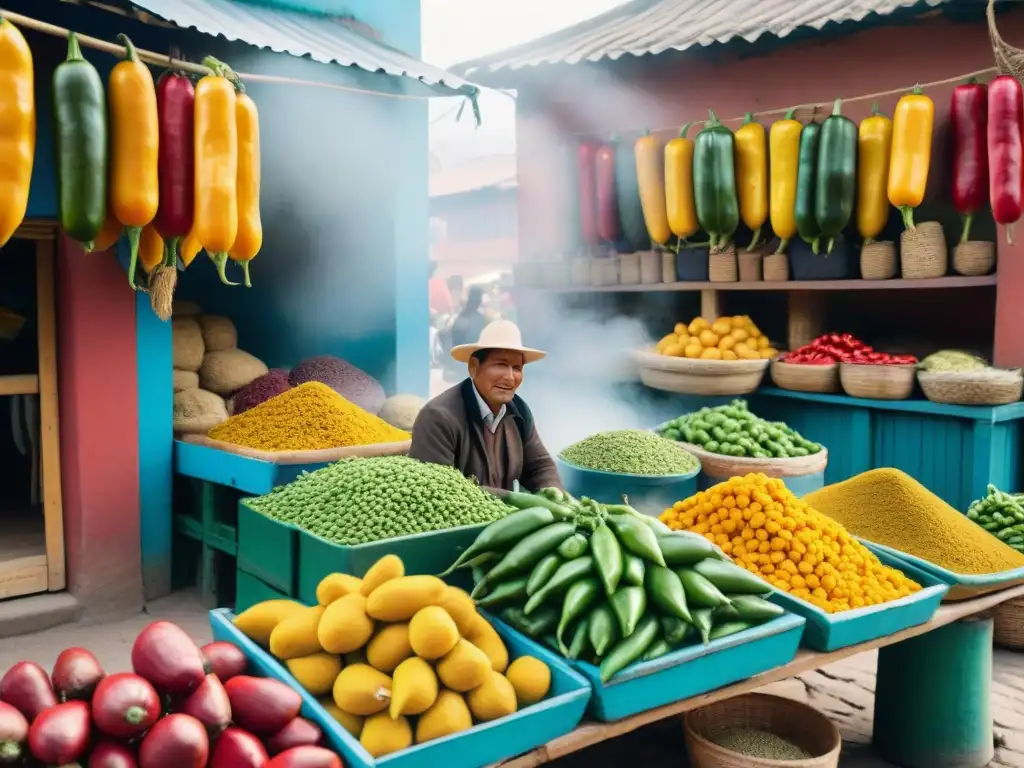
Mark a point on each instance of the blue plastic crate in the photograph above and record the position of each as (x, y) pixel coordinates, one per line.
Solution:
(248, 475)
(693, 670)
(962, 586)
(482, 744)
(649, 494)
(832, 631)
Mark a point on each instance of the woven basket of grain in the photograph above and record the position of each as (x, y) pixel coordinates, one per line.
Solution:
(699, 377)
(923, 252)
(806, 378)
(1009, 624)
(877, 382)
(797, 723)
(985, 386)
(717, 465)
(775, 268)
(722, 266)
(974, 258)
(878, 260)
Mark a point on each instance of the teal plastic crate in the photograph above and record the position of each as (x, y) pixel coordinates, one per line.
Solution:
(251, 476)
(832, 631)
(268, 549)
(649, 494)
(250, 590)
(421, 553)
(482, 744)
(693, 670)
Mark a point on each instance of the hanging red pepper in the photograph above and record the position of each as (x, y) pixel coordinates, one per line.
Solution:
(969, 117)
(1005, 151)
(607, 203)
(175, 98)
(585, 156)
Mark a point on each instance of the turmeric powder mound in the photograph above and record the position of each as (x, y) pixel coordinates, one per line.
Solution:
(891, 508)
(309, 417)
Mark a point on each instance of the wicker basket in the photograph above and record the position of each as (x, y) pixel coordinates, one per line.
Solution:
(722, 266)
(923, 252)
(798, 723)
(1009, 624)
(775, 268)
(877, 382)
(629, 268)
(806, 378)
(987, 386)
(699, 377)
(974, 258)
(878, 261)
(717, 465)
(668, 267)
(650, 267)
(750, 266)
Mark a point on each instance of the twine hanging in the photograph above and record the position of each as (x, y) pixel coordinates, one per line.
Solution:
(1009, 59)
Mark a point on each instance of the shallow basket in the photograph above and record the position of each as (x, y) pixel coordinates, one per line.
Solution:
(1009, 624)
(699, 377)
(974, 258)
(798, 723)
(982, 387)
(923, 252)
(806, 378)
(877, 382)
(878, 260)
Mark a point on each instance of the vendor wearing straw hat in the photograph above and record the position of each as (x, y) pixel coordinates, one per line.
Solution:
(481, 427)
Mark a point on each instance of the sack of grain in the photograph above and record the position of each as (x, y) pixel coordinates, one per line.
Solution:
(185, 380)
(401, 410)
(197, 411)
(228, 370)
(260, 390)
(185, 308)
(186, 344)
(218, 333)
(354, 384)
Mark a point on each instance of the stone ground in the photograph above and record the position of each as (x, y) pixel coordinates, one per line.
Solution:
(843, 691)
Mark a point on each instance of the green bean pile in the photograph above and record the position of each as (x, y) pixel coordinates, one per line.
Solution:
(732, 430)
(630, 452)
(360, 500)
(1002, 515)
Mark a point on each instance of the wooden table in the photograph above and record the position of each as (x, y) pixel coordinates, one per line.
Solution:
(588, 733)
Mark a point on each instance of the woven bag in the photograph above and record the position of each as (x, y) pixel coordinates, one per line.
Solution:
(878, 261)
(923, 252)
(722, 266)
(974, 258)
(775, 268)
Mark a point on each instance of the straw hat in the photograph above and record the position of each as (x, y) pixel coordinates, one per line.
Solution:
(501, 334)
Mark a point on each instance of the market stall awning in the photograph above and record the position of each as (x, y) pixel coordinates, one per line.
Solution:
(326, 39)
(645, 27)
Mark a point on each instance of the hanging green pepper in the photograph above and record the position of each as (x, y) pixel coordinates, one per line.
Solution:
(666, 592)
(806, 177)
(633, 569)
(567, 573)
(835, 187)
(699, 591)
(578, 644)
(636, 537)
(528, 551)
(731, 579)
(603, 629)
(573, 547)
(537, 625)
(629, 649)
(729, 628)
(608, 557)
(674, 629)
(504, 592)
(714, 182)
(502, 534)
(703, 621)
(579, 599)
(628, 604)
(542, 572)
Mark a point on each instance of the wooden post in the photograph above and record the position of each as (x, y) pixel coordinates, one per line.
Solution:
(710, 304)
(806, 317)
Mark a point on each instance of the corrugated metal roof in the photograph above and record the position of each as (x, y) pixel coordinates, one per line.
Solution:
(322, 38)
(654, 26)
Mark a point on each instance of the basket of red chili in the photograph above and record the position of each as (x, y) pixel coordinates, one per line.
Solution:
(884, 377)
(835, 359)
(810, 368)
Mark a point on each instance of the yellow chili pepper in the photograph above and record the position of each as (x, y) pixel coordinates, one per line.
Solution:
(784, 151)
(190, 248)
(650, 174)
(912, 124)
(134, 147)
(151, 248)
(679, 202)
(108, 235)
(874, 143)
(17, 128)
(250, 228)
(751, 147)
(216, 166)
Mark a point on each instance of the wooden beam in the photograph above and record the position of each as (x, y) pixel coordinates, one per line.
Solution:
(954, 281)
(19, 384)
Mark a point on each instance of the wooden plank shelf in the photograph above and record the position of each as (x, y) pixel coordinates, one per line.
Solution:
(19, 384)
(954, 281)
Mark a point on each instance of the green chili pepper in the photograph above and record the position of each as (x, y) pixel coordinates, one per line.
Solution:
(806, 177)
(537, 625)
(732, 579)
(579, 598)
(633, 570)
(636, 537)
(556, 495)
(702, 620)
(628, 604)
(674, 629)
(666, 592)
(566, 574)
(479, 582)
(527, 500)
(608, 557)
(502, 534)
(699, 591)
(528, 551)
(630, 648)
(578, 644)
(657, 649)
(603, 628)
(504, 592)
(573, 547)
(714, 182)
(751, 608)
(729, 628)
(685, 549)
(542, 572)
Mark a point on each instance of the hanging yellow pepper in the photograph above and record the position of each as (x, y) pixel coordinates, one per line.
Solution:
(216, 165)
(650, 174)
(752, 176)
(151, 249)
(784, 151)
(109, 234)
(912, 124)
(249, 239)
(679, 202)
(190, 248)
(874, 143)
(17, 128)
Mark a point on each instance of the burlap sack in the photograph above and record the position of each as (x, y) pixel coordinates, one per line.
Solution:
(186, 344)
(228, 370)
(401, 410)
(185, 380)
(218, 333)
(197, 411)
(185, 308)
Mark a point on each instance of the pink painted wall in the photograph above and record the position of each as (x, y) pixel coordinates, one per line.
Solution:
(670, 91)
(99, 432)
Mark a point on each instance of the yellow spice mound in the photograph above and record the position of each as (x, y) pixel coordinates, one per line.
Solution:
(310, 417)
(765, 528)
(890, 507)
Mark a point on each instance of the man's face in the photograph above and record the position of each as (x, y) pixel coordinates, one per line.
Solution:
(498, 377)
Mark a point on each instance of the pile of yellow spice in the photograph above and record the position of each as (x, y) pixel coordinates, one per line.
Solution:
(762, 526)
(310, 417)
